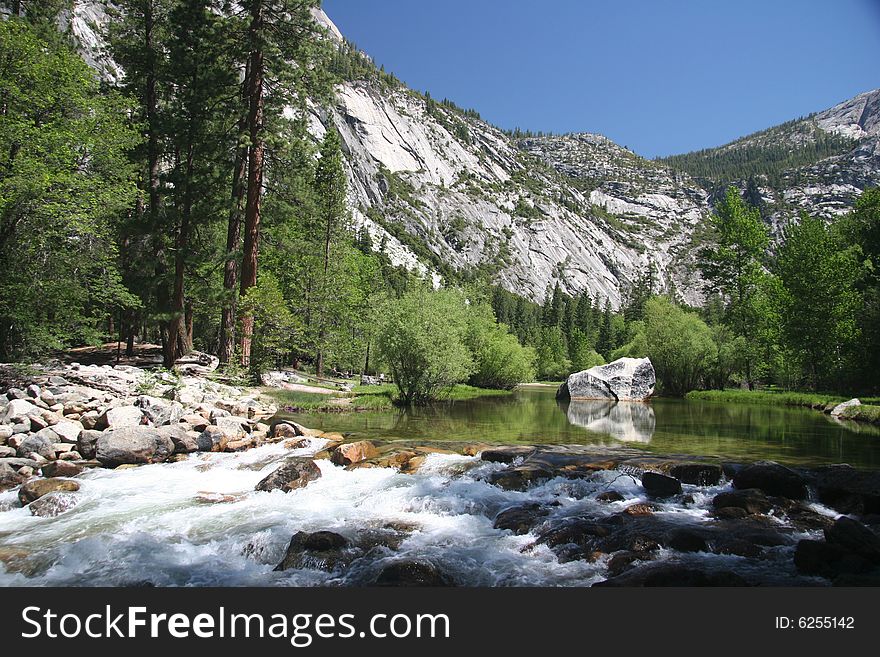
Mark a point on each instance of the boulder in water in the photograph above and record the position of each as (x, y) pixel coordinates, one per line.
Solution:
(34, 490)
(133, 445)
(297, 472)
(324, 550)
(354, 452)
(660, 485)
(625, 379)
(773, 479)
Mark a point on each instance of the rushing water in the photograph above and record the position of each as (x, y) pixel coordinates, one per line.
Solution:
(200, 522)
(738, 432)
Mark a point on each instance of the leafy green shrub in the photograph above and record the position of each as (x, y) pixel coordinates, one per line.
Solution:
(499, 359)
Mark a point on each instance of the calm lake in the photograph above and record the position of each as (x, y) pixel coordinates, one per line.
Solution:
(531, 415)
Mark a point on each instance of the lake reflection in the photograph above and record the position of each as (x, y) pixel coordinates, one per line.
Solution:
(531, 415)
(626, 421)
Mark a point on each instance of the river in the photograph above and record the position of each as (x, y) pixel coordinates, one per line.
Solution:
(199, 522)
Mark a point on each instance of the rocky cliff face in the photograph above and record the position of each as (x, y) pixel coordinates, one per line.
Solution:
(441, 190)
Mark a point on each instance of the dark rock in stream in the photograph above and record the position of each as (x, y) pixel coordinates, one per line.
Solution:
(520, 519)
(296, 472)
(750, 500)
(846, 489)
(322, 550)
(687, 540)
(773, 479)
(854, 537)
(412, 573)
(673, 575)
(610, 496)
(659, 485)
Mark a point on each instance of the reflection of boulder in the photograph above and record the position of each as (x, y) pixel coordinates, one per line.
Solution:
(629, 421)
(625, 379)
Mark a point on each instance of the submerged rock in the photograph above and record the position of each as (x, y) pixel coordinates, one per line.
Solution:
(296, 472)
(625, 379)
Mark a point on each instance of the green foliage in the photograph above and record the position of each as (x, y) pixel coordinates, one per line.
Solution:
(422, 338)
(820, 305)
(273, 323)
(552, 354)
(680, 346)
(64, 181)
(500, 361)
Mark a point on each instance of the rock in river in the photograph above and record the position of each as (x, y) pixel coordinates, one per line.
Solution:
(773, 479)
(625, 379)
(324, 550)
(296, 472)
(412, 573)
(34, 490)
(133, 445)
(659, 485)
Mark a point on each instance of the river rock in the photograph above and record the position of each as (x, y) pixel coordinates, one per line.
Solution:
(625, 379)
(659, 485)
(120, 416)
(53, 504)
(412, 573)
(354, 453)
(233, 427)
(855, 537)
(773, 479)
(34, 490)
(610, 496)
(212, 439)
(131, 446)
(296, 472)
(828, 560)
(68, 430)
(520, 519)
(183, 442)
(673, 575)
(285, 429)
(323, 550)
(749, 500)
(838, 410)
(5, 433)
(687, 540)
(6, 451)
(847, 490)
(18, 411)
(87, 442)
(61, 469)
(196, 421)
(9, 477)
(38, 443)
(698, 474)
(160, 411)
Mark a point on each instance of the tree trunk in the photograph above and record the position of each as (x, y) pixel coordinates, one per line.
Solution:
(255, 175)
(233, 239)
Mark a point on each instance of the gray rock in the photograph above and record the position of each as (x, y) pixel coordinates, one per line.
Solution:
(16, 393)
(5, 433)
(37, 443)
(9, 477)
(6, 451)
(233, 427)
(212, 439)
(68, 430)
(160, 411)
(626, 379)
(33, 390)
(120, 416)
(18, 411)
(87, 442)
(184, 443)
(37, 488)
(132, 445)
(838, 410)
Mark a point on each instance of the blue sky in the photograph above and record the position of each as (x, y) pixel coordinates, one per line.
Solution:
(661, 77)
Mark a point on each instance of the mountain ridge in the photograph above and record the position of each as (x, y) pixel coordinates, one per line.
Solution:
(446, 193)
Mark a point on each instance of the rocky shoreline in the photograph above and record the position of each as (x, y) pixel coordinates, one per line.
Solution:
(814, 526)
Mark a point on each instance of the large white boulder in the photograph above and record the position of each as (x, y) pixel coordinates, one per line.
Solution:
(625, 379)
